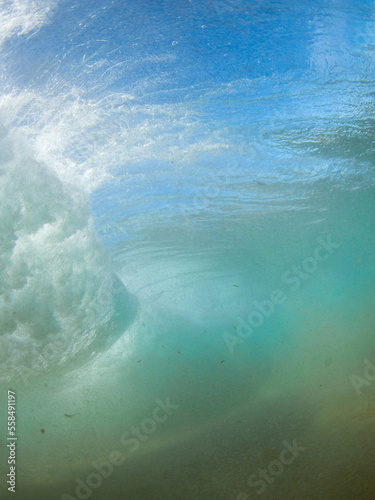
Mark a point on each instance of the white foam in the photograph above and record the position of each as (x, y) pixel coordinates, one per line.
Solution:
(19, 17)
(56, 282)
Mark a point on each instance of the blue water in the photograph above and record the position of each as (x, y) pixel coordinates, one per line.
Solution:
(187, 235)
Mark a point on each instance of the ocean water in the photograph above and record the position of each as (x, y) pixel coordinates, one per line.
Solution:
(187, 235)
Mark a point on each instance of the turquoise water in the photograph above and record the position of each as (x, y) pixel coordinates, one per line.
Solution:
(187, 236)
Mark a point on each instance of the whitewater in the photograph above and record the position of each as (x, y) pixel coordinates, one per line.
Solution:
(186, 249)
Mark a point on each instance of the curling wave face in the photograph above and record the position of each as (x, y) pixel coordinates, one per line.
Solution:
(58, 294)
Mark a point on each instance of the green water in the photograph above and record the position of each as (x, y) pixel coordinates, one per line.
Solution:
(186, 249)
(230, 395)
